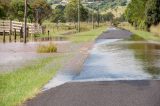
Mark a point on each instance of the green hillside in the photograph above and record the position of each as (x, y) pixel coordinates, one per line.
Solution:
(110, 4)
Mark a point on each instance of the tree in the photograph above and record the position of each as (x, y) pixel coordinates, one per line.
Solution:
(2, 13)
(152, 13)
(71, 11)
(41, 10)
(108, 17)
(84, 13)
(135, 13)
(4, 7)
(17, 9)
(58, 14)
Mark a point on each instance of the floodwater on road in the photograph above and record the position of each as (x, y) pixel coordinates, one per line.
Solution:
(116, 55)
(115, 59)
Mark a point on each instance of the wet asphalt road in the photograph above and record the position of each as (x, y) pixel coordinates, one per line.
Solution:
(118, 93)
(114, 33)
(104, 93)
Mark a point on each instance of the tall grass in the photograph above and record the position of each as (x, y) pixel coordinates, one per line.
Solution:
(155, 29)
(48, 48)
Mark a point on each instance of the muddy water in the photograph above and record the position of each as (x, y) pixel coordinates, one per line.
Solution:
(122, 60)
(16, 55)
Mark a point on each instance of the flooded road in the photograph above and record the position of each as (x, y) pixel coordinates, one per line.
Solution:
(116, 59)
(117, 72)
(112, 58)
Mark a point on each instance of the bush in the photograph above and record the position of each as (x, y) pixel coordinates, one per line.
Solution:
(49, 48)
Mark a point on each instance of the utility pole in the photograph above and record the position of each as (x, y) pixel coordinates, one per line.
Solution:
(93, 15)
(25, 22)
(98, 15)
(78, 15)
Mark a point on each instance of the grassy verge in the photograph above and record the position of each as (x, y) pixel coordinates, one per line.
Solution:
(144, 34)
(24, 83)
(86, 36)
(66, 28)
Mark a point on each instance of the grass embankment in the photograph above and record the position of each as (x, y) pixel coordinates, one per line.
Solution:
(86, 36)
(24, 83)
(143, 34)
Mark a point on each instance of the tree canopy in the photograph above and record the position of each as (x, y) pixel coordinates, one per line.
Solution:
(143, 13)
(58, 14)
(4, 8)
(71, 11)
(135, 12)
(14, 9)
(152, 12)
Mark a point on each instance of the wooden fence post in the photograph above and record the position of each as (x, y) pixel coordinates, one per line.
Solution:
(15, 35)
(4, 36)
(27, 31)
(48, 35)
(21, 34)
(10, 37)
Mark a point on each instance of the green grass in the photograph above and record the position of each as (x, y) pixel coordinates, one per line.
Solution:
(86, 36)
(143, 34)
(146, 35)
(65, 28)
(56, 31)
(24, 83)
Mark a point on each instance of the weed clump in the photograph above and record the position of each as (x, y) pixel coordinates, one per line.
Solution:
(49, 48)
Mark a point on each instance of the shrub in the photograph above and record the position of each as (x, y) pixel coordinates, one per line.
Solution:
(49, 48)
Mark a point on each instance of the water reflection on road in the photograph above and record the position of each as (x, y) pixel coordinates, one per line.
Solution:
(122, 60)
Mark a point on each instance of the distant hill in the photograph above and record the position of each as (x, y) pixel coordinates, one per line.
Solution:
(117, 7)
(110, 4)
(104, 3)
